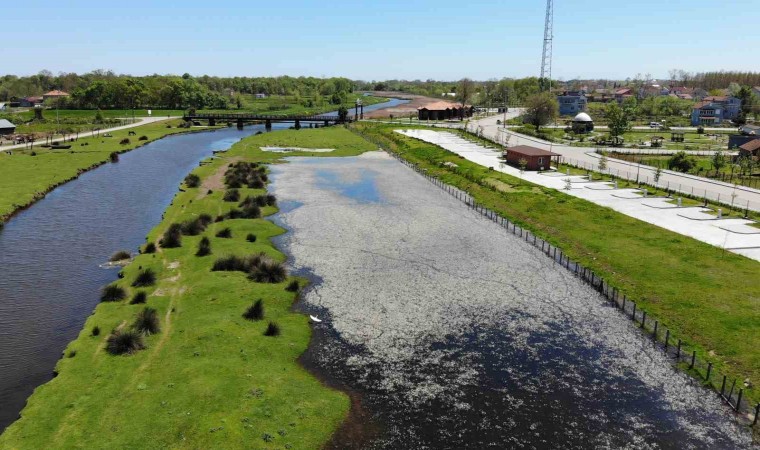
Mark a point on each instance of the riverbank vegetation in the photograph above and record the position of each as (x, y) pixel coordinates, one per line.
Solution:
(203, 367)
(704, 295)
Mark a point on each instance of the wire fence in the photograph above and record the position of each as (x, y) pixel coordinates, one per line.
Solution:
(730, 389)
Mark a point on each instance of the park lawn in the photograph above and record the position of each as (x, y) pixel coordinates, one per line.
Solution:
(705, 296)
(209, 378)
(25, 178)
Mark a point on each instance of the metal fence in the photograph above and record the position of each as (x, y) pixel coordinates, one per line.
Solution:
(730, 389)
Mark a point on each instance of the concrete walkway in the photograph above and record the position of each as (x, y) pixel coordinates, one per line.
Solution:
(731, 234)
(587, 158)
(140, 121)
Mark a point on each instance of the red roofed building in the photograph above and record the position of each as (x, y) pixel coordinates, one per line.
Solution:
(54, 95)
(535, 158)
(751, 148)
(443, 111)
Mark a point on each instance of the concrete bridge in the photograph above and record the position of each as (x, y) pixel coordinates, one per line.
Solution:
(242, 118)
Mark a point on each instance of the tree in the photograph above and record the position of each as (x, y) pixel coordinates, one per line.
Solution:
(603, 162)
(618, 119)
(342, 113)
(466, 89)
(657, 175)
(719, 161)
(747, 102)
(522, 164)
(681, 162)
(541, 109)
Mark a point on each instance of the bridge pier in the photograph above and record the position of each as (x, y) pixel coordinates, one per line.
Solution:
(240, 124)
(298, 124)
(212, 122)
(362, 111)
(268, 125)
(327, 124)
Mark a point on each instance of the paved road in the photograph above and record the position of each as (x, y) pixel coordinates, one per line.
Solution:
(140, 121)
(647, 128)
(587, 158)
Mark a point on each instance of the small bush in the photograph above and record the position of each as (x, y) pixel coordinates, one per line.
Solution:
(124, 141)
(124, 342)
(231, 195)
(192, 181)
(114, 157)
(112, 293)
(219, 218)
(268, 272)
(251, 212)
(172, 238)
(121, 255)
(272, 330)
(147, 322)
(234, 263)
(196, 226)
(224, 233)
(251, 237)
(204, 247)
(150, 247)
(142, 138)
(255, 311)
(145, 278)
(271, 200)
(139, 298)
(96, 331)
(293, 286)
(234, 213)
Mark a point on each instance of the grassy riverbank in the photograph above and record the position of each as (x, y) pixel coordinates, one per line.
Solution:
(27, 175)
(209, 378)
(708, 297)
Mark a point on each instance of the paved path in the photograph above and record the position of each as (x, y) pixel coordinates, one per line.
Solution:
(140, 121)
(586, 157)
(731, 234)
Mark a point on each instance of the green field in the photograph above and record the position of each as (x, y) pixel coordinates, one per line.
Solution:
(705, 296)
(28, 175)
(209, 378)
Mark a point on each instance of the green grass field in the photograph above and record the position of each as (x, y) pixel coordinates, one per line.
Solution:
(209, 378)
(24, 177)
(707, 297)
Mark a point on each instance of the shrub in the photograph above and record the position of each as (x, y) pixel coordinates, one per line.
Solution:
(235, 263)
(272, 329)
(681, 162)
(124, 141)
(196, 226)
(112, 293)
(256, 183)
(293, 286)
(251, 212)
(172, 237)
(255, 311)
(271, 200)
(114, 157)
(268, 272)
(219, 218)
(231, 195)
(204, 247)
(142, 138)
(145, 278)
(122, 342)
(72, 354)
(224, 233)
(96, 330)
(121, 255)
(192, 181)
(147, 322)
(251, 237)
(234, 213)
(139, 298)
(150, 247)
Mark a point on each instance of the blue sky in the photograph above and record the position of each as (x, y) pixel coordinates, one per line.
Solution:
(409, 39)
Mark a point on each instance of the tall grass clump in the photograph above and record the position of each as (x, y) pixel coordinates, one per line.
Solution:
(144, 278)
(204, 247)
(196, 226)
(139, 298)
(112, 293)
(272, 330)
(268, 271)
(114, 157)
(124, 342)
(232, 263)
(121, 255)
(244, 173)
(231, 195)
(95, 331)
(293, 286)
(255, 311)
(192, 181)
(147, 322)
(224, 233)
(172, 238)
(150, 247)
(251, 237)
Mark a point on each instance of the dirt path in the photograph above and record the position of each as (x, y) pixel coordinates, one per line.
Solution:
(216, 181)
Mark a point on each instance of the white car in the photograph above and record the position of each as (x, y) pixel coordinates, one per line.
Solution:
(655, 124)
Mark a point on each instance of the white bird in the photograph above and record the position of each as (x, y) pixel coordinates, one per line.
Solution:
(314, 319)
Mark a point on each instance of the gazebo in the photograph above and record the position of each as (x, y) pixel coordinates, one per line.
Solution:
(582, 123)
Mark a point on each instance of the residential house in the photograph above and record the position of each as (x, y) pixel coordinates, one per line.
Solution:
(751, 148)
(571, 103)
(443, 111)
(622, 94)
(714, 110)
(6, 127)
(30, 102)
(653, 90)
(731, 105)
(262, 95)
(746, 134)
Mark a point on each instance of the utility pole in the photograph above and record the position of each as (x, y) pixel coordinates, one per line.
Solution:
(546, 57)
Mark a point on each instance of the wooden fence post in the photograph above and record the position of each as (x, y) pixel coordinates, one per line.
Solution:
(693, 359)
(709, 369)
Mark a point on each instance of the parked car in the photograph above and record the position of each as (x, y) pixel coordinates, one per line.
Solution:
(655, 124)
